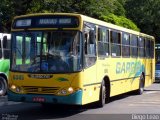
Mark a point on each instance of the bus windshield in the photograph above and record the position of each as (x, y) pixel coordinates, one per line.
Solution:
(48, 51)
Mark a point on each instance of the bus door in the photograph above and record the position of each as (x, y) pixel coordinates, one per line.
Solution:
(90, 54)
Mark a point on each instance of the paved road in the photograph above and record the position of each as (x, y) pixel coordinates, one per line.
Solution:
(125, 107)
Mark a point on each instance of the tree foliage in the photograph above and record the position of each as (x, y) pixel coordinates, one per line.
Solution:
(120, 21)
(9, 9)
(145, 13)
(5, 15)
(92, 8)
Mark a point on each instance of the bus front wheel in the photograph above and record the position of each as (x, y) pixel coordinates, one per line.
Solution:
(3, 86)
(102, 98)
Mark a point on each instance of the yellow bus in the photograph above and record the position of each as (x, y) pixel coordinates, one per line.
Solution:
(65, 58)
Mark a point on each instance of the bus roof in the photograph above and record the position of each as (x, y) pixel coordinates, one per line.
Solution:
(91, 20)
(112, 26)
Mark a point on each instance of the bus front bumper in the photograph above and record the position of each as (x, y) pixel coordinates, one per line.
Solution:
(72, 99)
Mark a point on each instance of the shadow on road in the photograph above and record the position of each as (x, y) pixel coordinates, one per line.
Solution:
(35, 111)
(31, 111)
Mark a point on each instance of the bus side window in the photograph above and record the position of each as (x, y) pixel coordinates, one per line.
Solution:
(89, 45)
(115, 43)
(141, 47)
(85, 42)
(134, 46)
(147, 47)
(4, 41)
(91, 48)
(125, 44)
(103, 42)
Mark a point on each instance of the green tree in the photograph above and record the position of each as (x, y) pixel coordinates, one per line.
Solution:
(92, 8)
(9, 9)
(5, 13)
(145, 13)
(120, 21)
(119, 9)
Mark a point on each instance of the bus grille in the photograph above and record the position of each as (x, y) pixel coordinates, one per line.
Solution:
(40, 90)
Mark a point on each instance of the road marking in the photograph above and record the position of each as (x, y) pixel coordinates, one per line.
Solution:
(148, 102)
(151, 100)
(6, 103)
(147, 105)
(150, 92)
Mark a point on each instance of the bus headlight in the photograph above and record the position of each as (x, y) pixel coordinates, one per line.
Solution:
(15, 88)
(70, 90)
(66, 91)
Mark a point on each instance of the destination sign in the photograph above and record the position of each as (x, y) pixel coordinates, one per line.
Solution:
(46, 22)
(23, 23)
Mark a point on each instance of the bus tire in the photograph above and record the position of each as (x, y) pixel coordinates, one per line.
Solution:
(3, 86)
(141, 85)
(107, 94)
(102, 97)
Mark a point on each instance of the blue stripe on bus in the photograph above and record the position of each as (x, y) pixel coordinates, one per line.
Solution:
(72, 99)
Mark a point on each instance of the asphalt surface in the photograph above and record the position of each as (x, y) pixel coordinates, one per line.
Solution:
(123, 107)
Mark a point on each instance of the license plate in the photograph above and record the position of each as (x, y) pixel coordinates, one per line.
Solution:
(38, 99)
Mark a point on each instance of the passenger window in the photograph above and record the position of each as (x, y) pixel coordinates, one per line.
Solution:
(90, 44)
(116, 43)
(147, 47)
(141, 47)
(103, 41)
(134, 46)
(125, 45)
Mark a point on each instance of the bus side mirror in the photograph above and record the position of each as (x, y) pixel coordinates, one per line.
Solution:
(4, 41)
